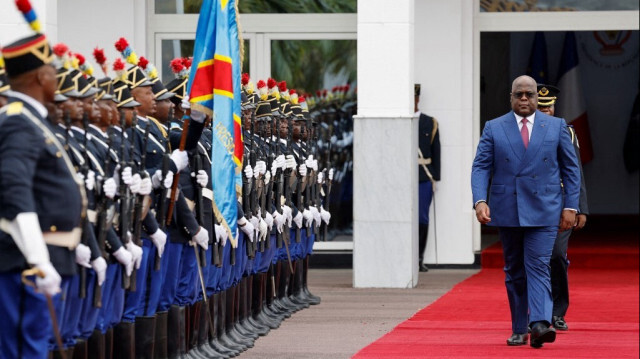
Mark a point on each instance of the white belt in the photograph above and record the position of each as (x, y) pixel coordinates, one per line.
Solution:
(424, 161)
(63, 239)
(207, 193)
(92, 216)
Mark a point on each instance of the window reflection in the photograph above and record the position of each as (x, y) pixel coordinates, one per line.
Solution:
(262, 6)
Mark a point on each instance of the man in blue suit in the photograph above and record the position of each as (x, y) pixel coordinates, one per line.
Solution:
(527, 171)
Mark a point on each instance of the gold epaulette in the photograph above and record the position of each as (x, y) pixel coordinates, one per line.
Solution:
(14, 108)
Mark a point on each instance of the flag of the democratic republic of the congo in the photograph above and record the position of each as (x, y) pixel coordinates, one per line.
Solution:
(214, 88)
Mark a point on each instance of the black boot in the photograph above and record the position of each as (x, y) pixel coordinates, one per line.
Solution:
(194, 331)
(108, 344)
(96, 345)
(160, 348)
(247, 324)
(423, 231)
(256, 305)
(145, 337)
(231, 315)
(241, 325)
(225, 311)
(295, 286)
(214, 342)
(313, 299)
(80, 350)
(203, 349)
(176, 342)
(124, 345)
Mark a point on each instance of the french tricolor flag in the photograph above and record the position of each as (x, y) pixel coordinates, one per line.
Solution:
(571, 106)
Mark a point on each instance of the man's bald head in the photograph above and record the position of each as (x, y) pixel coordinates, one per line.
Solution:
(524, 95)
(525, 80)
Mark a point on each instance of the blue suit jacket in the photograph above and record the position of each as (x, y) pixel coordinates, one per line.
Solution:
(524, 187)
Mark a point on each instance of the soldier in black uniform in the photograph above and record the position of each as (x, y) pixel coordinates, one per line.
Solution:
(429, 172)
(547, 97)
(4, 84)
(36, 181)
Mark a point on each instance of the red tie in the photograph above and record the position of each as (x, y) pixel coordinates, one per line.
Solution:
(524, 132)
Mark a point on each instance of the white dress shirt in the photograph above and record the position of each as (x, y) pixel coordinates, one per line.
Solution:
(530, 120)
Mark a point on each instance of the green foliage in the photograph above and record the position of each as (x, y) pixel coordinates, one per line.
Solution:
(303, 63)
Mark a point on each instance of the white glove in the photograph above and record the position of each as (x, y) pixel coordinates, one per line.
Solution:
(157, 180)
(279, 220)
(159, 239)
(311, 163)
(267, 177)
(260, 168)
(331, 174)
(201, 178)
(302, 170)
(248, 172)
(320, 177)
(90, 181)
(325, 215)
(135, 184)
(201, 238)
(263, 230)
(99, 265)
(136, 253)
(180, 159)
(308, 217)
(145, 186)
(316, 215)
(221, 234)
(127, 176)
(109, 188)
(268, 218)
(290, 162)
(83, 255)
(185, 103)
(298, 219)
(286, 210)
(247, 228)
(198, 116)
(50, 283)
(125, 258)
(333, 139)
(255, 221)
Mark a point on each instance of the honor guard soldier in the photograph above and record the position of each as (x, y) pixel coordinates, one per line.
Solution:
(4, 84)
(429, 172)
(547, 97)
(42, 204)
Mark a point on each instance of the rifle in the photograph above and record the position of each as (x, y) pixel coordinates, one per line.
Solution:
(266, 191)
(307, 190)
(162, 201)
(84, 169)
(323, 226)
(197, 166)
(246, 191)
(103, 223)
(288, 172)
(124, 197)
(253, 201)
(278, 183)
(136, 224)
(299, 202)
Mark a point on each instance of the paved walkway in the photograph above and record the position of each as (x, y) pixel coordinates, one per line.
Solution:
(348, 319)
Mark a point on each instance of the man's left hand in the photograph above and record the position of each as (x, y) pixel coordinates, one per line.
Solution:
(567, 220)
(581, 220)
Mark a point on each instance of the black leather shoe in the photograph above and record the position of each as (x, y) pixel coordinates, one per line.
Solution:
(541, 333)
(559, 323)
(518, 339)
(423, 268)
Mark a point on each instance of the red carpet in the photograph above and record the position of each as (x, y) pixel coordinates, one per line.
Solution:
(472, 320)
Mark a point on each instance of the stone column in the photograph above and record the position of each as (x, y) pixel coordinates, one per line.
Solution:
(385, 200)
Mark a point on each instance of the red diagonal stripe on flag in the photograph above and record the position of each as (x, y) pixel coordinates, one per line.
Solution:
(203, 80)
(222, 80)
